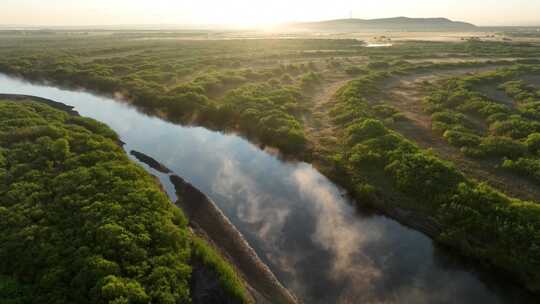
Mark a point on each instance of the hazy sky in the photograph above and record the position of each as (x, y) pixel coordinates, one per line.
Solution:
(259, 12)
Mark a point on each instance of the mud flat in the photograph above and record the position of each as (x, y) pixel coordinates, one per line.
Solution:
(154, 164)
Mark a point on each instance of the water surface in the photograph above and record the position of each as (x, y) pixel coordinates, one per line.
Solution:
(300, 224)
(376, 45)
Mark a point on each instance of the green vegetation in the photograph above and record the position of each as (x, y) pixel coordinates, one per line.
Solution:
(475, 218)
(267, 112)
(227, 276)
(491, 116)
(82, 224)
(269, 90)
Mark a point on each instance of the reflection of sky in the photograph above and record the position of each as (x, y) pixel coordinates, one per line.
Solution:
(298, 221)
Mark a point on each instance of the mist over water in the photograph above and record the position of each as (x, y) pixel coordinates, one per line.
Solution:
(317, 243)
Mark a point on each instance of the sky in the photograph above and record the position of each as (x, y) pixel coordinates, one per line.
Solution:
(258, 12)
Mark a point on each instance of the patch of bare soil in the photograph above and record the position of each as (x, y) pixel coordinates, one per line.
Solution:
(317, 123)
(495, 94)
(406, 94)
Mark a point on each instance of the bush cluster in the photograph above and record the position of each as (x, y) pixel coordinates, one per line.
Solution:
(80, 222)
(487, 128)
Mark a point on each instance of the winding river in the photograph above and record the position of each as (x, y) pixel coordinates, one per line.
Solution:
(301, 224)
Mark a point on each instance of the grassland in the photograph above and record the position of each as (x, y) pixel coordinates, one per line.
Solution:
(417, 129)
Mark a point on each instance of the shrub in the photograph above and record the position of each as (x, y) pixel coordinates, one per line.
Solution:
(498, 146)
(424, 175)
(384, 111)
(440, 127)
(448, 117)
(533, 143)
(515, 127)
(13, 292)
(365, 192)
(184, 104)
(187, 88)
(524, 166)
(461, 139)
(363, 156)
(531, 110)
(369, 128)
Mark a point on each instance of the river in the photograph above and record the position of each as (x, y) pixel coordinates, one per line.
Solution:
(309, 233)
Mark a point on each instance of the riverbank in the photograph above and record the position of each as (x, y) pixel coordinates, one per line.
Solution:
(57, 105)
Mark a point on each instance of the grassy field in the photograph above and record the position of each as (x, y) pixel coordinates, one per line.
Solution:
(447, 131)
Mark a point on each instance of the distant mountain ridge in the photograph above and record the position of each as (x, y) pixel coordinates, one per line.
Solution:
(391, 24)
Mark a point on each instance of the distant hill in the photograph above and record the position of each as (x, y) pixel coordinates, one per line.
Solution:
(386, 24)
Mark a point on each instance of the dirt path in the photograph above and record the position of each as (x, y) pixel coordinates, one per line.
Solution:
(405, 94)
(317, 124)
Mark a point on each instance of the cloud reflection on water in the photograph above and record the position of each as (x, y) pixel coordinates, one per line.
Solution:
(336, 233)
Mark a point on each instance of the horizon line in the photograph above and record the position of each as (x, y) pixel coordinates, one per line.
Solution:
(230, 25)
